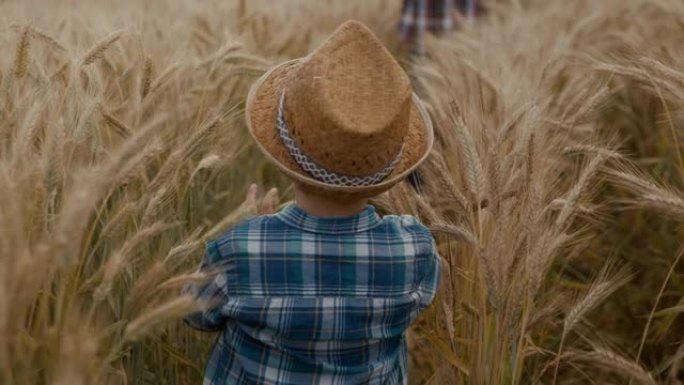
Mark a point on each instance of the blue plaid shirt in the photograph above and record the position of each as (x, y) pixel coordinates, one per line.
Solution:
(306, 300)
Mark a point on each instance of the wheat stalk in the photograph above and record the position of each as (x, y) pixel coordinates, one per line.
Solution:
(116, 223)
(602, 287)
(164, 77)
(39, 35)
(121, 128)
(649, 194)
(591, 149)
(578, 189)
(112, 268)
(633, 181)
(169, 310)
(471, 160)
(664, 201)
(28, 132)
(22, 54)
(123, 256)
(146, 81)
(145, 285)
(99, 49)
(444, 183)
(617, 363)
(457, 232)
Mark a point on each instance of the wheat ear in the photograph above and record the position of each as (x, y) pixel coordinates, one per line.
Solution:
(147, 77)
(99, 49)
(21, 58)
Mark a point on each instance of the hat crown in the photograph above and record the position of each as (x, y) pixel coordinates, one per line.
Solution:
(348, 104)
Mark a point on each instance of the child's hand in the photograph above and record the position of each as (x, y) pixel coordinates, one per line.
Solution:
(267, 205)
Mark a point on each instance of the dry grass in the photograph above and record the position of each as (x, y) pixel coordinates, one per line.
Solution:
(122, 148)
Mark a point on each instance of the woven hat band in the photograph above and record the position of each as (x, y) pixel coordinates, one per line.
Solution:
(319, 173)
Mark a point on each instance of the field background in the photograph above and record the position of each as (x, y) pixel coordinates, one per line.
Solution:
(554, 191)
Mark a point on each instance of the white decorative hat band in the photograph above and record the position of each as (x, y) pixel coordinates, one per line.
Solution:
(319, 173)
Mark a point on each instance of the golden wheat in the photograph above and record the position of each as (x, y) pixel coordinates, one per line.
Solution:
(119, 159)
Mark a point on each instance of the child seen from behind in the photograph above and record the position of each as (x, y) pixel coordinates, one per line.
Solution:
(323, 291)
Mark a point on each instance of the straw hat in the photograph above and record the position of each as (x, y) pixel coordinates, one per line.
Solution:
(342, 120)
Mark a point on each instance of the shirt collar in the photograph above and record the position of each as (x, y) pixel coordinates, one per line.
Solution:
(294, 216)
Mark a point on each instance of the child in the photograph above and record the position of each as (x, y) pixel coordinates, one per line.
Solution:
(323, 291)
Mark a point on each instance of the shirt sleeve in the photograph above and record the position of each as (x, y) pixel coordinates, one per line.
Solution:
(210, 293)
(427, 288)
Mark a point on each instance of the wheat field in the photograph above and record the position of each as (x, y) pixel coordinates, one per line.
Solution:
(555, 190)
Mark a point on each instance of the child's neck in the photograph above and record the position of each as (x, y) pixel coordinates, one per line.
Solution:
(323, 207)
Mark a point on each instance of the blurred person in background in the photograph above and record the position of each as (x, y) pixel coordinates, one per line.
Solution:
(419, 17)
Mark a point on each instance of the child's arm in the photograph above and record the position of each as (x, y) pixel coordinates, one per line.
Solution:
(429, 281)
(428, 286)
(211, 293)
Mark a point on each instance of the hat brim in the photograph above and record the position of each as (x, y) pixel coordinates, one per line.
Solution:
(261, 114)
